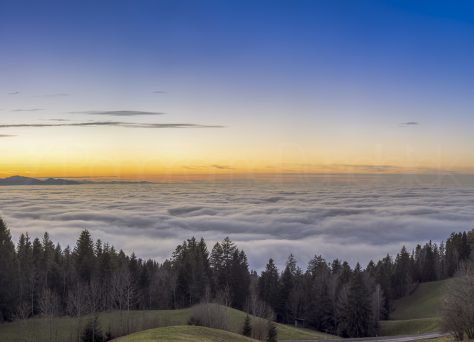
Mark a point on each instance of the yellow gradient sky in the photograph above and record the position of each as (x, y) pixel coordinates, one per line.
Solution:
(158, 90)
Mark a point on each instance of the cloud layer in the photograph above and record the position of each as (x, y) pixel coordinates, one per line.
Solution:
(110, 123)
(351, 218)
(120, 113)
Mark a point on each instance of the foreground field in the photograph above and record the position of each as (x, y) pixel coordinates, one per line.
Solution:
(443, 339)
(123, 323)
(409, 326)
(184, 334)
(425, 302)
(417, 313)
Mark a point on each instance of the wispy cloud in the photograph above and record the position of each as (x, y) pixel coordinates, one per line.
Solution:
(159, 92)
(110, 123)
(409, 123)
(14, 93)
(56, 95)
(170, 125)
(27, 109)
(207, 167)
(369, 168)
(6, 135)
(119, 113)
(222, 167)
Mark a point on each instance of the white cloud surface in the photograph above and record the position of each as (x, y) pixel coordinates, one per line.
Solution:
(351, 218)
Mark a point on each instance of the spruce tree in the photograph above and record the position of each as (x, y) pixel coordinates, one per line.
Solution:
(247, 328)
(8, 274)
(84, 257)
(93, 331)
(287, 283)
(359, 313)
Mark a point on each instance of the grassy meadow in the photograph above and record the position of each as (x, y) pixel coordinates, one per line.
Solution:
(184, 334)
(417, 313)
(122, 323)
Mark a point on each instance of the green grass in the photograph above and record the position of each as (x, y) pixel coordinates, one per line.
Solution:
(417, 313)
(425, 302)
(119, 324)
(184, 334)
(409, 326)
(443, 339)
(285, 332)
(67, 328)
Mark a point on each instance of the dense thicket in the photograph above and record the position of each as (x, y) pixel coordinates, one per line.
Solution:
(40, 278)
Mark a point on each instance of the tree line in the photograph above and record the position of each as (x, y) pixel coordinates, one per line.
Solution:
(38, 277)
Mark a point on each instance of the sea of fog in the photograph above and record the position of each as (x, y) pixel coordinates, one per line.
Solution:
(351, 217)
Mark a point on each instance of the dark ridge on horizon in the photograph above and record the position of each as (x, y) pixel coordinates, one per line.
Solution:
(21, 180)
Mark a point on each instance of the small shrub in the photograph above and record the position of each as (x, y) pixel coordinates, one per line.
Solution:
(210, 315)
(259, 329)
(272, 332)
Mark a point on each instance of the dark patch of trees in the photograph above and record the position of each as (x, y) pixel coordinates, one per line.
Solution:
(38, 277)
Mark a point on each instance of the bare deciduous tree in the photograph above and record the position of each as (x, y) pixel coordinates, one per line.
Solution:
(124, 293)
(77, 305)
(210, 315)
(458, 306)
(49, 306)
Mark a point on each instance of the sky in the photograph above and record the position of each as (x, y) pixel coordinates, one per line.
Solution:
(146, 89)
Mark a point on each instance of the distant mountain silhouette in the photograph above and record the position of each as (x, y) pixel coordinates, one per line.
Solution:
(20, 180)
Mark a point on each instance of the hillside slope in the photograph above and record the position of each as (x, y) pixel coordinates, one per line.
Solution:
(425, 302)
(184, 333)
(121, 323)
(417, 313)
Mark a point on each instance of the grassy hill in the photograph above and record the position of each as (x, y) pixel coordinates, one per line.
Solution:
(409, 326)
(425, 302)
(119, 324)
(285, 332)
(417, 313)
(184, 333)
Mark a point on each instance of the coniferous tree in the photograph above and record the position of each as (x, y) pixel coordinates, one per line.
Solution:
(287, 283)
(84, 257)
(384, 277)
(8, 274)
(268, 285)
(247, 328)
(401, 275)
(240, 279)
(93, 331)
(25, 275)
(358, 309)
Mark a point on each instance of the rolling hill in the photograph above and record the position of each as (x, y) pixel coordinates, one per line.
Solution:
(123, 323)
(418, 312)
(184, 333)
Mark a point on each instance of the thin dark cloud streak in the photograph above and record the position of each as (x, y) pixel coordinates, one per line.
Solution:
(120, 113)
(111, 124)
(409, 124)
(14, 93)
(27, 110)
(7, 135)
(222, 167)
(56, 95)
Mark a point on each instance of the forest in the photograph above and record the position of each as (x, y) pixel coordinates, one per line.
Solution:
(39, 277)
